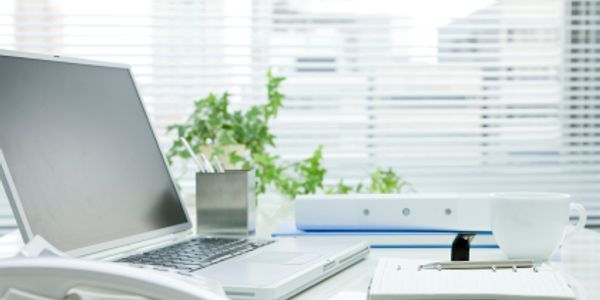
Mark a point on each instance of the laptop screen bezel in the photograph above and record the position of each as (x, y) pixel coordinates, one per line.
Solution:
(15, 201)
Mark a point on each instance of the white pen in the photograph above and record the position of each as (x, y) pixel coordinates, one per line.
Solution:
(218, 165)
(207, 166)
(193, 155)
(492, 264)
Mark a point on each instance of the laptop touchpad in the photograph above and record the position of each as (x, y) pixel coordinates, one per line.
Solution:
(282, 258)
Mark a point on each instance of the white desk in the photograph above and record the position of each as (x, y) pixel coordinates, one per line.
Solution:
(353, 282)
(580, 258)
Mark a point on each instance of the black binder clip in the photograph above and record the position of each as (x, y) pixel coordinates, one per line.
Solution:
(461, 246)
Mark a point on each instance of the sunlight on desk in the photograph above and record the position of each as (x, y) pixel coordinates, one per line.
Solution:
(580, 259)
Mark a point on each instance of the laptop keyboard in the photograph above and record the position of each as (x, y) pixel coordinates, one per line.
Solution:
(195, 254)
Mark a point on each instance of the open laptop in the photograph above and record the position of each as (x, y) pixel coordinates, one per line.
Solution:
(83, 169)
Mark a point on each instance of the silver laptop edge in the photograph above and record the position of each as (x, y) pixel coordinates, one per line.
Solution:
(14, 200)
(175, 232)
(109, 253)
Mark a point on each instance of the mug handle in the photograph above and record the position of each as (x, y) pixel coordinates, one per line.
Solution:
(582, 219)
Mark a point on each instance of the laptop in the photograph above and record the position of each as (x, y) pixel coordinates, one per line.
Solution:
(83, 169)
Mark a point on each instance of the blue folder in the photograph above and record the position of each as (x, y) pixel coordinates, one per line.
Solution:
(374, 237)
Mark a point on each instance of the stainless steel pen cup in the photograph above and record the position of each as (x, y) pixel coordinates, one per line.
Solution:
(225, 203)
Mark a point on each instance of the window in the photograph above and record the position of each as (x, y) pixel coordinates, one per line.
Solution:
(456, 96)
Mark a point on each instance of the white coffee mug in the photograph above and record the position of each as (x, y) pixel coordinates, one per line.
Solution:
(532, 225)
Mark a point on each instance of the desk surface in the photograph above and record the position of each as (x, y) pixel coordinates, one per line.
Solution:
(353, 282)
(579, 258)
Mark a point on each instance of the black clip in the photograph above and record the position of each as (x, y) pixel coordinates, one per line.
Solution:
(461, 246)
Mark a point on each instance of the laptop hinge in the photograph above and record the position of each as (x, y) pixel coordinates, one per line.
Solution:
(150, 244)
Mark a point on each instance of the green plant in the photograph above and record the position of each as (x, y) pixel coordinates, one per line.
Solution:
(381, 182)
(307, 176)
(213, 125)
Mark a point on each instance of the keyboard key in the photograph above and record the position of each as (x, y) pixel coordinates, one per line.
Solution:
(195, 254)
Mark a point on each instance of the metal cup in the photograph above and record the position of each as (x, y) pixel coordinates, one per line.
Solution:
(225, 203)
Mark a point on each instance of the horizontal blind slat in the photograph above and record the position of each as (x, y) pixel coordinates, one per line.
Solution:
(504, 94)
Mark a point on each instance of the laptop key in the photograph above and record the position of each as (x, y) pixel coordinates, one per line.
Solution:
(195, 254)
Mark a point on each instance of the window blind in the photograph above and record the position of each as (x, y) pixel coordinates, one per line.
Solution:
(456, 96)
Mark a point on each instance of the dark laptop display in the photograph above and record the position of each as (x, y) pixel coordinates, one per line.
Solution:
(82, 154)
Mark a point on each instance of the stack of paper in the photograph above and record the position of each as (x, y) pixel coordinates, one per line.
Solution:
(402, 279)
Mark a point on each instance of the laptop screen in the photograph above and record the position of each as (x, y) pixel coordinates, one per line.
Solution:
(83, 157)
